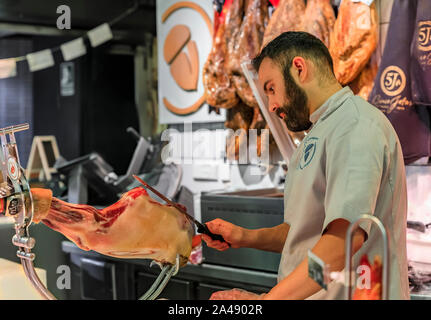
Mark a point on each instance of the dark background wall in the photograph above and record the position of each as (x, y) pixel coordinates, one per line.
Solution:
(54, 114)
(16, 94)
(95, 118)
(109, 108)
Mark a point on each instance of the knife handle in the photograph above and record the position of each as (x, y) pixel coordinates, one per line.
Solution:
(202, 228)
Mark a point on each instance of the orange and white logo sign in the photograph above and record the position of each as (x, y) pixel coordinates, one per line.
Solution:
(424, 36)
(393, 81)
(184, 68)
(184, 31)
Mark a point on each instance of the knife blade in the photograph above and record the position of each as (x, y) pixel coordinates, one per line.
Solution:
(201, 227)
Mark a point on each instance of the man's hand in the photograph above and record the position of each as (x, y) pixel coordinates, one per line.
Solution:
(231, 233)
(236, 294)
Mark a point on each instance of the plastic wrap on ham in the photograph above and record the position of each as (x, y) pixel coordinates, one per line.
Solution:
(319, 19)
(286, 17)
(354, 39)
(248, 46)
(135, 227)
(219, 88)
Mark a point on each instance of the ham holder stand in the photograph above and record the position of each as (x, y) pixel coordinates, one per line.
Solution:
(16, 201)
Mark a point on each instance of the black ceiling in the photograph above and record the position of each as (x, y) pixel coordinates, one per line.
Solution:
(85, 15)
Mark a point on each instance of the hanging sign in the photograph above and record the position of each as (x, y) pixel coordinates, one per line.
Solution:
(67, 79)
(40, 60)
(73, 49)
(100, 35)
(184, 31)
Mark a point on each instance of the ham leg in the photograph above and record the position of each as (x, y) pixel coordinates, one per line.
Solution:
(354, 39)
(239, 117)
(287, 17)
(248, 46)
(134, 227)
(219, 89)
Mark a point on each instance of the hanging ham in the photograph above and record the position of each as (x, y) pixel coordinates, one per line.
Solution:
(219, 88)
(319, 19)
(287, 17)
(248, 46)
(239, 117)
(364, 83)
(354, 39)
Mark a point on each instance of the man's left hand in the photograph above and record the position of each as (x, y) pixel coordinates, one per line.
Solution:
(236, 294)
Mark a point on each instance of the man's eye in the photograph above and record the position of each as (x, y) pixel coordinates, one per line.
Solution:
(271, 90)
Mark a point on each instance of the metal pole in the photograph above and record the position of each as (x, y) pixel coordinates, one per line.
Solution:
(348, 265)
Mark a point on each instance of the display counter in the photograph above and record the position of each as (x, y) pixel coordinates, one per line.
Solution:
(128, 278)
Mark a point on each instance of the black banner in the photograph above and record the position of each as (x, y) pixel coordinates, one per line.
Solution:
(392, 92)
(185, 309)
(421, 55)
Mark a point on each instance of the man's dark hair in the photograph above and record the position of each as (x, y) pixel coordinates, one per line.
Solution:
(291, 44)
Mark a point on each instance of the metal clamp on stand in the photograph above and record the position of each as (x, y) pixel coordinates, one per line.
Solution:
(348, 265)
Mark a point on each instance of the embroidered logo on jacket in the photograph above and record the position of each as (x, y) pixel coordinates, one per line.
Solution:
(308, 152)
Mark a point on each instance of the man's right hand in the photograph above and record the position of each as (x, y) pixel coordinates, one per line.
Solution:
(232, 234)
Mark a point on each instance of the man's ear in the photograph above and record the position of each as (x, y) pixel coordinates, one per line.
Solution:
(299, 69)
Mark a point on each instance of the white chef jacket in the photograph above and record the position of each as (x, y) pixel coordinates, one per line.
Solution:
(350, 163)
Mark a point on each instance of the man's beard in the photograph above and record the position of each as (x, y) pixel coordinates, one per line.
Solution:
(297, 114)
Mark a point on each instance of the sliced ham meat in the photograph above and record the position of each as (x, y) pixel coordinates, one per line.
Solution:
(135, 227)
(287, 17)
(219, 88)
(248, 46)
(319, 19)
(354, 39)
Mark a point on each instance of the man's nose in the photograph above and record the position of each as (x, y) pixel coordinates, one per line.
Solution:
(273, 108)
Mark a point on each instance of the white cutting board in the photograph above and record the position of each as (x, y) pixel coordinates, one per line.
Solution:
(14, 285)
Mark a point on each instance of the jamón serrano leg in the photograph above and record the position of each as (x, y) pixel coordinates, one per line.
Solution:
(354, 39)
(248, 46)
(319, 19)
(219, 88)
(287, 17)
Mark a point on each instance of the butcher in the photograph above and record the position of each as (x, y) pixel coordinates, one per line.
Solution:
(350, 163)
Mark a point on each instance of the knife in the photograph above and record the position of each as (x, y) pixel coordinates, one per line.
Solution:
(202, 228)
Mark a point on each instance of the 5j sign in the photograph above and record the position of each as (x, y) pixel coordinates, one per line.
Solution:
(184, 31)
